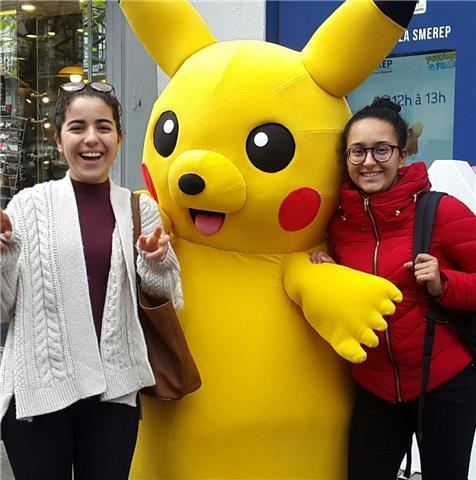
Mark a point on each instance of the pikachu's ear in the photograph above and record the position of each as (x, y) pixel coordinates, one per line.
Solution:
(351, 43)
(171, 31)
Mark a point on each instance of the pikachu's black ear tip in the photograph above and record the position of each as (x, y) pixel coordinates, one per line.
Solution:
(399, 11)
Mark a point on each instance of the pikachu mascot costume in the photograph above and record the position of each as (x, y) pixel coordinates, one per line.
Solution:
(241, 153)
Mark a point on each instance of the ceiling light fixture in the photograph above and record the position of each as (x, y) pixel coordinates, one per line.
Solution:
(74, 72)
(28, 7)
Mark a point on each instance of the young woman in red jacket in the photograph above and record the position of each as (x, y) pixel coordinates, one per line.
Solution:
(372, 231)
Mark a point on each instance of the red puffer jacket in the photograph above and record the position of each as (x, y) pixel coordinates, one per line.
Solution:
(374, 234)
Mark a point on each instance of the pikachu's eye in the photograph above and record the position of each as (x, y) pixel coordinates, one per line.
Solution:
(270, 147)
(166, 133)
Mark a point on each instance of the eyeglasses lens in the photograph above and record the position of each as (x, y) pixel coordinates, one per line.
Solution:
(101, 87)
(72, 86)
(77, 86)
(381, 153)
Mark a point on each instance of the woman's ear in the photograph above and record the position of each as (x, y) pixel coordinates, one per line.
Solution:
(403, 157)
(57, 139)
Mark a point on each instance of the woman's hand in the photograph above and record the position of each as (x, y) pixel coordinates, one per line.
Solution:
(427, 272)
(320, 257)
(156, 245)
(5, 231)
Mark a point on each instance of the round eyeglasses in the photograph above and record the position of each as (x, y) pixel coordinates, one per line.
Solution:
(77, 86)
(382, 152)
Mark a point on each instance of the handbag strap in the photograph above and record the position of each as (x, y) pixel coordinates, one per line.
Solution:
(136, 223)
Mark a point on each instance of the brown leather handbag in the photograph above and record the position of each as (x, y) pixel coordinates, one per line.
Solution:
(175, 371)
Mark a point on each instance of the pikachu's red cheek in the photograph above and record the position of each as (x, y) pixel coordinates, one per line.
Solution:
(299, 209)
(148, 181)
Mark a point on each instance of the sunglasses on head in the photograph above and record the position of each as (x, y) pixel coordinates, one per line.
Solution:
(77, 86)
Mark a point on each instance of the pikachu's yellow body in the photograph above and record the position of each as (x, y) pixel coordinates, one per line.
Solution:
(275, 399)
(241, 152)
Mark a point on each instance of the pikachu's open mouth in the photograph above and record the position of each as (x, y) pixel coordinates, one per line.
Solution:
(206, 222)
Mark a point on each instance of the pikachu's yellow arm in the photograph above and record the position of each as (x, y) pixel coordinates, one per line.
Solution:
(343, 305)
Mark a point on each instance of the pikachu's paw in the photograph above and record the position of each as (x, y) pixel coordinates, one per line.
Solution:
(352, 321)
(351, 351)
(349, 345)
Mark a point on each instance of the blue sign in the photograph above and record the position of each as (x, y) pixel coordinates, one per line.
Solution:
(440, 34)
(427, 105)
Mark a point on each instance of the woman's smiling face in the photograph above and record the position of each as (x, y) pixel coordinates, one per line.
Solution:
(89, 139)
(372, 176)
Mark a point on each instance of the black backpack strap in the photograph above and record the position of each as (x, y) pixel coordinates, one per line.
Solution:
(425, 215)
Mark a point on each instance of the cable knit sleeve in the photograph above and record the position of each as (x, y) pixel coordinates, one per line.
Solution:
(158, 278)
(9, 270)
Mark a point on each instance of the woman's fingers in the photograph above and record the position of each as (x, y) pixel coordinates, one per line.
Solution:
(5, 231)
(155, 244)
(5, 224)
(320, 257)
(427, 272)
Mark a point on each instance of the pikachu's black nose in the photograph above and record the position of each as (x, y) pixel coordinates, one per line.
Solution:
(191, 184)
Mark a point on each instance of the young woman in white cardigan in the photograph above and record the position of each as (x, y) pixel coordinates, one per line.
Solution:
(75, 355)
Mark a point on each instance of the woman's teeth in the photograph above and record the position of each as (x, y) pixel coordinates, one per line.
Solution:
(370, 174)
(91, 155)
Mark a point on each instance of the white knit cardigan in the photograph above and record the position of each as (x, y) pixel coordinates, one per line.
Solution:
(52, 357)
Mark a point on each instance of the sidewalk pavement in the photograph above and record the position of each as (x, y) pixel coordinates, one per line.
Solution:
(7, 474)
(5, 469)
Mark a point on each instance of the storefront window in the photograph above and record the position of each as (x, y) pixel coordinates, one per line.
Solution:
(42, 45)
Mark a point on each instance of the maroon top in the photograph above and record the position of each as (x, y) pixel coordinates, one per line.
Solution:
(97, 223)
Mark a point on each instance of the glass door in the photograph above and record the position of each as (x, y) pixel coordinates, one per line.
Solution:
(42, 45)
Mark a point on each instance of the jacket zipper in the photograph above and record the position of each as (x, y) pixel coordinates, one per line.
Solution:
(375, 271)
(417, 194)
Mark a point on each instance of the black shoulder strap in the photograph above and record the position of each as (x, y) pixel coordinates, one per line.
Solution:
(425, 214)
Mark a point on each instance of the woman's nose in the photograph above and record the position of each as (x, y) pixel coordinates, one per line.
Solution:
(369, 157)
(91, 136)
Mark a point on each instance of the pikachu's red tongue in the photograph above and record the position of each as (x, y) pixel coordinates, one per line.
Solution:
(209, 224)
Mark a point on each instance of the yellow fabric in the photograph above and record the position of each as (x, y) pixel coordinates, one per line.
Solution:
(276, 399)
(226, 188)
(171, 31)
(349, 46)
(344, 325)
(225, 91)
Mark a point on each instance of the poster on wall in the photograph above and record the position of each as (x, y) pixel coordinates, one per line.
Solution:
(423, 84)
